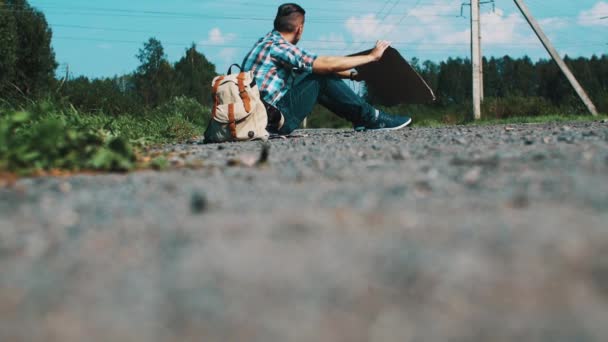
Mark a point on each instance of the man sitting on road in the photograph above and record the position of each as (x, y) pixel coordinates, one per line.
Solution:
(292, 80)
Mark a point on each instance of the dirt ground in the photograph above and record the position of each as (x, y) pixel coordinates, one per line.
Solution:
(472, 233)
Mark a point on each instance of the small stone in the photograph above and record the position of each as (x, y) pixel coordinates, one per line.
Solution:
(221, 147)
(589, 134)
(539, 157)
(508, 129)
(566, 139)
(264, 154)
(177, 162)
(547, 140)
(459, 141)
(473, 175)
(198, 203)
(65, 187)
(245, 160)
(423, 188)
(519, 201)
(400, 155)
(566, 128)
(529, 141)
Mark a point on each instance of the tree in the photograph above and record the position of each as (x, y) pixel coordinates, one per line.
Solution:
(454, 81)
(155, 76)
(8, 48)
(194, 74)
(35, 64)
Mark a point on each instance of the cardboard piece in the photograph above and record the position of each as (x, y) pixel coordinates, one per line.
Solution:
(393, 81)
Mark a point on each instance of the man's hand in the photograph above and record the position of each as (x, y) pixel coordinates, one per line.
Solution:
(378, 51)
(333, 64)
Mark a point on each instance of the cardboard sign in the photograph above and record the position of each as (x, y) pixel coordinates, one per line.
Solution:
(393, 81)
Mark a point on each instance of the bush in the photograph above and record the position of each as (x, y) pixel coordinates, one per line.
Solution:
(517, 106)
(46, 135)
(184, 107)
(29, 144)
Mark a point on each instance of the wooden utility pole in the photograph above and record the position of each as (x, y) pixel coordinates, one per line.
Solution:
(481, 91)
(556, 57)
(476, 58)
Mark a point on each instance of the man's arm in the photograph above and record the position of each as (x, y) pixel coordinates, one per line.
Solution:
(336, 64)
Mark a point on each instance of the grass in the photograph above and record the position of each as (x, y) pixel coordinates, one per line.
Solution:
(541, 119)
(496, 111)
(45, 137)
(423, 122)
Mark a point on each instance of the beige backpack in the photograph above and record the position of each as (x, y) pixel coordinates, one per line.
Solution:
(238, 113)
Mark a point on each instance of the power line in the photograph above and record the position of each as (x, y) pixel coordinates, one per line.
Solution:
(447, 46)
(184, 15)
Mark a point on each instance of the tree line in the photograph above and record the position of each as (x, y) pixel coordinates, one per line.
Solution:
(28, 65)
(508, 77)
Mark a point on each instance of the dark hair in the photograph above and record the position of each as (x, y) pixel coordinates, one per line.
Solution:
(288, 17)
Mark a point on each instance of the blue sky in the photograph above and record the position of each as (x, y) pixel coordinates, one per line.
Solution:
(101, 39)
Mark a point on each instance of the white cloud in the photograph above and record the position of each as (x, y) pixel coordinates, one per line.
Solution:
(430, 13)
(217, 37)
(500, 29)
(434, 27)
(368, 27)
(593, 16)
(496, 28)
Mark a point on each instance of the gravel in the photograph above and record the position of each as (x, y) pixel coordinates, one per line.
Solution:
(486, 233)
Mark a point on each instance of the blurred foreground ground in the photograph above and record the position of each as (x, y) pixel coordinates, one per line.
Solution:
(452, 234)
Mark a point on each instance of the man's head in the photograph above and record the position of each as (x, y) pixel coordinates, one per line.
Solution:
(290, 20)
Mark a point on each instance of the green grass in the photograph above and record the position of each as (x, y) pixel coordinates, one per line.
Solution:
(424, 122)
(540, 119)
(496, 111)
(45, 137)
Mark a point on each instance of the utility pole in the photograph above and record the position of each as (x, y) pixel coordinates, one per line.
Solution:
(481, 90)
(476, 59)
(556, 57)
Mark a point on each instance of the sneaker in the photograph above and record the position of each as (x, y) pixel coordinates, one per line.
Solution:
(276, 120)
(385, 122)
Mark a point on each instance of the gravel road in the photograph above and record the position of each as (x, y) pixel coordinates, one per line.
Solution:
(489, 233)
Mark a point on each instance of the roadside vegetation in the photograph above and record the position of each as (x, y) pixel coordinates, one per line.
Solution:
(44, 137)
(52, 122)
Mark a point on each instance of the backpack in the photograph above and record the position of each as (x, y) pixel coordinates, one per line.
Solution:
(238, 113)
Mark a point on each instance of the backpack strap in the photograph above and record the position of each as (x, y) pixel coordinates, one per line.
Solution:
(231, 120)
(216, 100)
(243, 93)
(234, 65)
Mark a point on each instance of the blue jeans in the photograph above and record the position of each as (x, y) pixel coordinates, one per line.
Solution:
(329, 91)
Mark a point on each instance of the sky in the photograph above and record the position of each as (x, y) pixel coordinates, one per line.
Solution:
(102, 39)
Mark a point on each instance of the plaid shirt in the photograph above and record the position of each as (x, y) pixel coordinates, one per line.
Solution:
(274, 62)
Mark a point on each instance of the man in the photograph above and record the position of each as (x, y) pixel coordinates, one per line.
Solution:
(292, 80)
